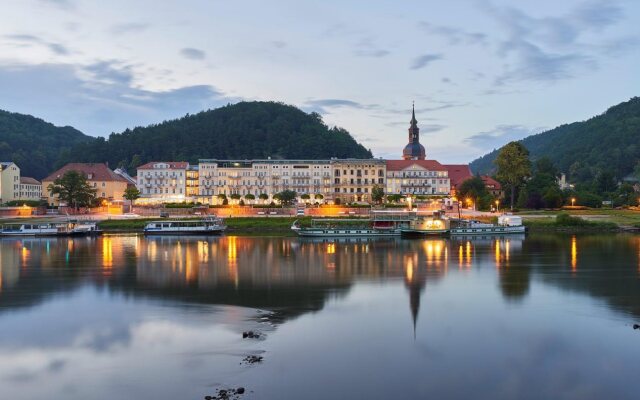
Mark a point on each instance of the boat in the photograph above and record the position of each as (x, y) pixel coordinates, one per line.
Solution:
(202, 226)
(507, 224)
(35, 229)
(85, 228)
(429, 224)
(381, 224)
(67, 228)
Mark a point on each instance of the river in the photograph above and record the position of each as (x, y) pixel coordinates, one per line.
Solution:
(546, 316)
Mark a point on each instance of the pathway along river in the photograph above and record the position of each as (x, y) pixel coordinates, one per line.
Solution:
(126, 317)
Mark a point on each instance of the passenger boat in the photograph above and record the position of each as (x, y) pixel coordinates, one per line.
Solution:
(431, 224)
(67, 228)
(85, 228)
(381, 224)
(202, 226)
(507, 224)
(35, 229)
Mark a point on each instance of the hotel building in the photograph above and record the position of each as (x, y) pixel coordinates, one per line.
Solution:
(164, 182)
(14, 187)
(108, 184)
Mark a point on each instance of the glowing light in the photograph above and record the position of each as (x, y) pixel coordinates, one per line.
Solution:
(409, 269)
(468, 251)
(507, 249)
(574, 254)
(460, 256)
(573, 201)
(107, 252)
(497, 248)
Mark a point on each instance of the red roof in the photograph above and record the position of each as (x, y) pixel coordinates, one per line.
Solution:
(458, 173)
(491, 183)
(399, 165)
(93, 172)
(172, 164)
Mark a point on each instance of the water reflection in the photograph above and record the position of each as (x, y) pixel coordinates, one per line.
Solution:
(118, 281)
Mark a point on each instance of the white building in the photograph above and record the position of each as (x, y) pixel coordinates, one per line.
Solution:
(420, 177)
(30, 189)
(263, 177)
(163, 182)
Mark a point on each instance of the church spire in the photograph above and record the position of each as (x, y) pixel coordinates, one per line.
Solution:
(414, 150)
(414, 122)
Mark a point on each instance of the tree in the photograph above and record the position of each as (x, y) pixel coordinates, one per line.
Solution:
(318, 196)
(286, 197)
(250, 197)
(552, 198)
(305, 196)
(394, 198)
(377, 194)
(235, 196)
(472, 188)
(131, 193)
(73, 188)
(605, 182)
(513, 166)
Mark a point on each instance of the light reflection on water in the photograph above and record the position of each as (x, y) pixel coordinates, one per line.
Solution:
(128, 316)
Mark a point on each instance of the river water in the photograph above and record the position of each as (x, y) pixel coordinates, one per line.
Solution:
(548, 316)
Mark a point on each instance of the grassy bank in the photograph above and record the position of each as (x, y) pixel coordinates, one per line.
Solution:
(569, 223)
(629, 218)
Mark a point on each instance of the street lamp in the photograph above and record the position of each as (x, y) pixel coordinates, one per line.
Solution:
(497, 205)
(573, 201)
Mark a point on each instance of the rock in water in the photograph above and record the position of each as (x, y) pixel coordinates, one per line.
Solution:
(240, 390)
(636, 326)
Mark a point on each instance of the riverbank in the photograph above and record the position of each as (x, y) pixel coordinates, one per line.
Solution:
(235, 225)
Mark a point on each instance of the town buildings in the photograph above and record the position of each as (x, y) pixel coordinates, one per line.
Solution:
(109, 185)
(162, 182)
(14, 187)
(417, 177)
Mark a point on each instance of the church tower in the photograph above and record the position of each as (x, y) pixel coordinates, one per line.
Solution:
(414, 150)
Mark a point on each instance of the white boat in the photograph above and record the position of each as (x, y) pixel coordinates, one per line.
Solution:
(507, 224)
(35, 229)
(85, 228)
(202, 226)
(381, 224)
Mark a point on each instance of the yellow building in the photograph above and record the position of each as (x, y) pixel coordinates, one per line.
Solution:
(354, 179)
(107, 183)
(9, 182)
(30, 189)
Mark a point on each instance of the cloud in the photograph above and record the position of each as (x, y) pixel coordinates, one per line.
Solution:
(534, 64)
(130, 27)
(322, 106)
(64, 4)
(553, 48)
(424, 60)
(367, 48)
(501, 135)
(453, 36)
(279, 44)
(193, 54)
(55, 48)
(97, 98)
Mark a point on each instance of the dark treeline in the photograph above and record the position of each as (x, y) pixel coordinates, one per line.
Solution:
(247, 130)
(33, 144)
(589, 152)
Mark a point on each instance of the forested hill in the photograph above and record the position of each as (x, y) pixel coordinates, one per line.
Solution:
(607, 142)
(247, 130)
(33, 144)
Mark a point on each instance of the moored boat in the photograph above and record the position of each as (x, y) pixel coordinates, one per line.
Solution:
(35, 229)
(381, 224)
(203, 226)
(429, 224)
(507, 224)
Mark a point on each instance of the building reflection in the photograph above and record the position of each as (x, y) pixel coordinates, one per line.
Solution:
(303, 274)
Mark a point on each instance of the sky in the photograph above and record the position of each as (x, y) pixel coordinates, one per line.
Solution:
(481, 72)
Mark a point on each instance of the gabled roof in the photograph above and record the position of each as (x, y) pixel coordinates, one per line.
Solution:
(458, 173)
(5, 164)
(491, 183)
(172, 164)
(25, 180)
(399, 165)
(97, 171)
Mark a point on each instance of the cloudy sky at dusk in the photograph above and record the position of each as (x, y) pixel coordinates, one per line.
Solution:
(481, 72)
